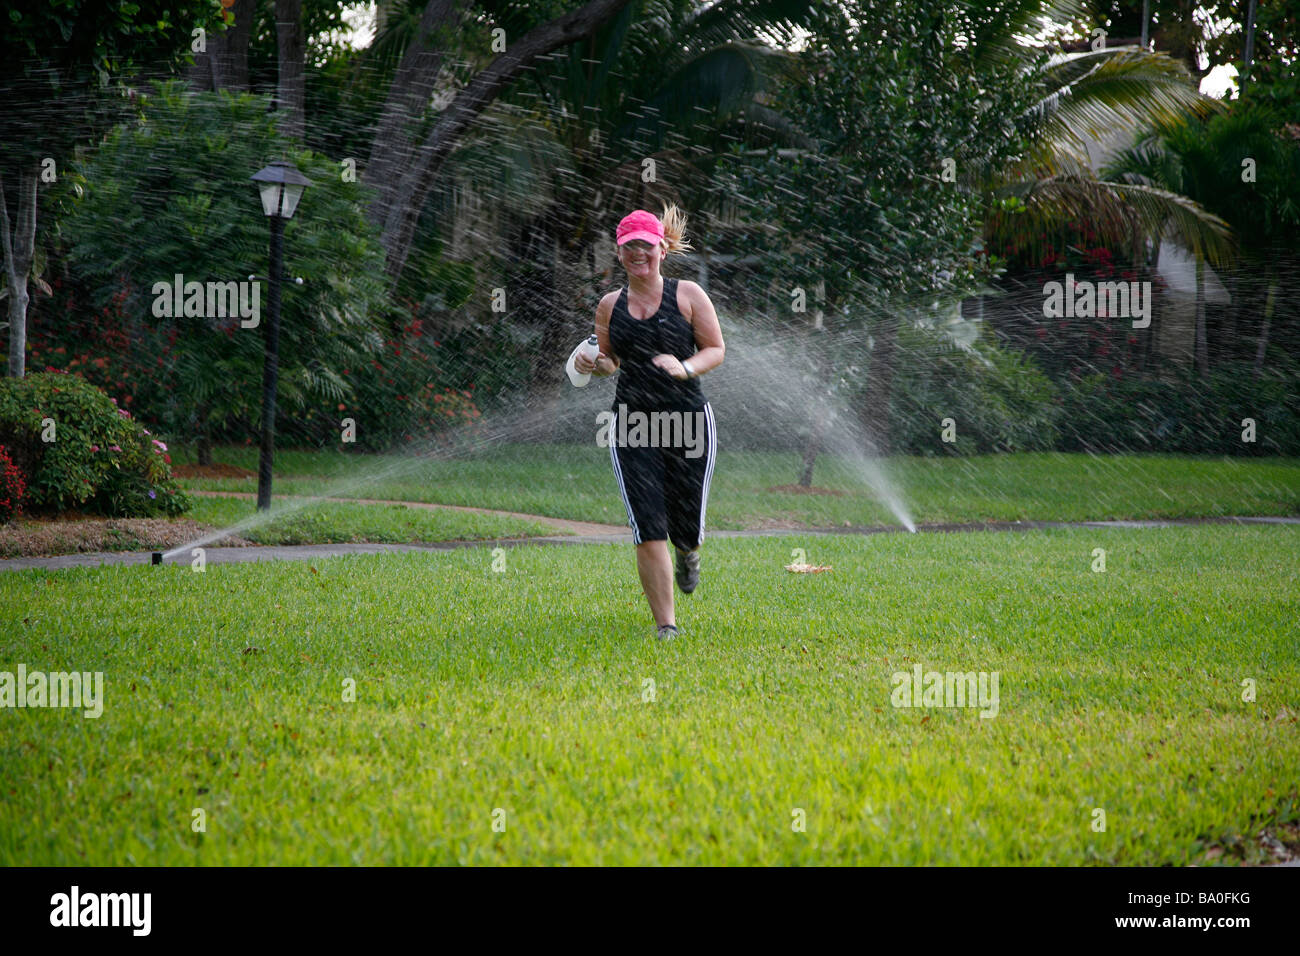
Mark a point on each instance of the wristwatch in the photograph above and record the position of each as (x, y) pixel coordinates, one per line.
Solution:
(690, 372)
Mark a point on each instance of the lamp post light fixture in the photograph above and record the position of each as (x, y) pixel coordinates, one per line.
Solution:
(281, 185)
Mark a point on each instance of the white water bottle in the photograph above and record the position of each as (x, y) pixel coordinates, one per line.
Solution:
(589, 348)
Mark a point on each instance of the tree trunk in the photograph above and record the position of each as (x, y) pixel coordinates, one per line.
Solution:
(19, 240)
(811, 450)
(393, 146)
(1202, 356)
(881, 383)
(404, 172)
(203, 431)
(821, 412)
(224, 64)
(1150, 354)
(291, 51)
(1248, 54)
(1262, 347)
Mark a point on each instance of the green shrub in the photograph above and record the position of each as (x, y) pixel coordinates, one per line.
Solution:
(998, 399)
(1187, 414)
(80, 450)
(170, 194)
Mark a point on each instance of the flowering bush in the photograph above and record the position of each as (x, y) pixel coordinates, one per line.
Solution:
(130, 360)
(80, 450)
(1070, 348)
(12, 487)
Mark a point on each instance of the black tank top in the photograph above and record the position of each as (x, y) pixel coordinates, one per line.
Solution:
(641, 385)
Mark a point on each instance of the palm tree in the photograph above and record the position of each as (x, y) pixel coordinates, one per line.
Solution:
(1087, 98)
(1237, 165)
(1092, 96)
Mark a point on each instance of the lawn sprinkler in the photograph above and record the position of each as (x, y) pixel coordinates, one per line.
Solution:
(156, 557)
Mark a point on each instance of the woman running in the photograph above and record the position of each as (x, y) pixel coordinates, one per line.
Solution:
(662, 334)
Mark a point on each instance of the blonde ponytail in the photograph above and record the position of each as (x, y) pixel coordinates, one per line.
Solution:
(674, 223)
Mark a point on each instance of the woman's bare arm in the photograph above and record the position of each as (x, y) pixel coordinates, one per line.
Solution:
(708, 333)
(606, 362)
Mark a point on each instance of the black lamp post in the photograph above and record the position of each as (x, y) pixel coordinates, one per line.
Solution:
(281, 185)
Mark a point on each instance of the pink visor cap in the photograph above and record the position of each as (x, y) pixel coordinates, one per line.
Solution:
(641, 225)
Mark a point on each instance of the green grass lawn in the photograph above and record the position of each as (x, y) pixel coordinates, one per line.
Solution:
(527, 691)
(321, 522)
(578, 483)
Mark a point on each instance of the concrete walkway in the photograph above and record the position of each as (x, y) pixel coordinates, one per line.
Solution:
(313, 552)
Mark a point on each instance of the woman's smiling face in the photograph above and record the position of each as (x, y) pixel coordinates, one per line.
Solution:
(639, 258)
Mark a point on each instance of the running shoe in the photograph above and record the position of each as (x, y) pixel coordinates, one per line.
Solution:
(688, 570)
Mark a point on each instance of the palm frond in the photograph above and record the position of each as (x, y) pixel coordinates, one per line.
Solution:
(1121, 213)
(1001, 26)
(510, 156)
(400, 28)
(1146, 163)
(730, 20)
(718, 84)
(1096, 93)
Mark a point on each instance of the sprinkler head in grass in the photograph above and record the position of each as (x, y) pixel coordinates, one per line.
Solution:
(156, 557)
